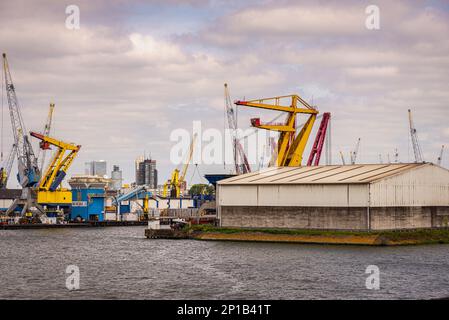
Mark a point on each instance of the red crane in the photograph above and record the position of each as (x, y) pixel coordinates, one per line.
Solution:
(315, 153)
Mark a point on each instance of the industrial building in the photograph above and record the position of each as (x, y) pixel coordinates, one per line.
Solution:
(95, 168)
(116, 178)
(88, 194)
(352, 197)
(146, 173)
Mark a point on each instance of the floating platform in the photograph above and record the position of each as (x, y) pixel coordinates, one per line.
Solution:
(166, 234)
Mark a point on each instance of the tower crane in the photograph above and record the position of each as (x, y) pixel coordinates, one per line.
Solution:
(290, 146)
(440, 157)
(172, 187)
(5, 171)
(50, 190)
(415, 141)
(315, 154)
(240, 160)
(28, 170)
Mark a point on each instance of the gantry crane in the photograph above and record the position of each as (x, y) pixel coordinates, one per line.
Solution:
(415, 141)
(172, 187)
(440, 157)
(46, 132)
(290, 147)
(240, 160)
(50, 191)
(5, 171)
(317, 148)
(28, 170)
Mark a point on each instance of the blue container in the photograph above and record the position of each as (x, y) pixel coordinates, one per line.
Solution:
(87, 204)
(125, 208)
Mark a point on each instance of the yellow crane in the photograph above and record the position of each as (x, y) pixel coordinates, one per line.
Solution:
(50, 190)
(290, 146)
(172, 187)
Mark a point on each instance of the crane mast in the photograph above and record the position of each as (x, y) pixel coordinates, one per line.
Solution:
(415, 142)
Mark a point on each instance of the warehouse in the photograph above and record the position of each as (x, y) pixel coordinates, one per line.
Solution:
(352, 197)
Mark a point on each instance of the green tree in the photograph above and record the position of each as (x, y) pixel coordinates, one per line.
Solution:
(198, 189)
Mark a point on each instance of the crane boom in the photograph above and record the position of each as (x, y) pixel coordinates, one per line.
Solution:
(415, 141)
(290, 147)
(189, 158)
(46, 132)
(241, 163)
(60, 163)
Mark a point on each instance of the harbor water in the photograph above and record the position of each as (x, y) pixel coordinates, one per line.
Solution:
(120, 263)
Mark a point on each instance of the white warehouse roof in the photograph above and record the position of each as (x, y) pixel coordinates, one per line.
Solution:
(335, 174)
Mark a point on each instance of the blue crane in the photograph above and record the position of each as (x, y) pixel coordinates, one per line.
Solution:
(28, 173)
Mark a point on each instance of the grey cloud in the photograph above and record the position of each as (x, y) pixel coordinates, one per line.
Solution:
(120, 90)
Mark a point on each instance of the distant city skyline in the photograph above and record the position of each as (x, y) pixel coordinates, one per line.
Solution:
(96, 168)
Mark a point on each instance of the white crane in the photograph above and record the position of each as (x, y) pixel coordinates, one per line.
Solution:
(342, 158)
(355, 152)
(440, 158)
(240, 160)
(415, 141)
(46, 132)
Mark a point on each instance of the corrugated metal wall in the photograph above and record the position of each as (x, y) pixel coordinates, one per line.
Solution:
(317, 195)
(423, 186)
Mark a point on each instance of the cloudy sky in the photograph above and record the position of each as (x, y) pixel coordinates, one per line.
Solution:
(137, 70)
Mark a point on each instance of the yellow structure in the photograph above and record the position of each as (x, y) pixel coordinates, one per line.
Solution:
(290, 147)
(50, 190)
(176, 180)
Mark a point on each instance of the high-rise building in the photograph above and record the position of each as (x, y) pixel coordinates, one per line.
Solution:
(146, 172)
(96, 168)
(116, 178)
